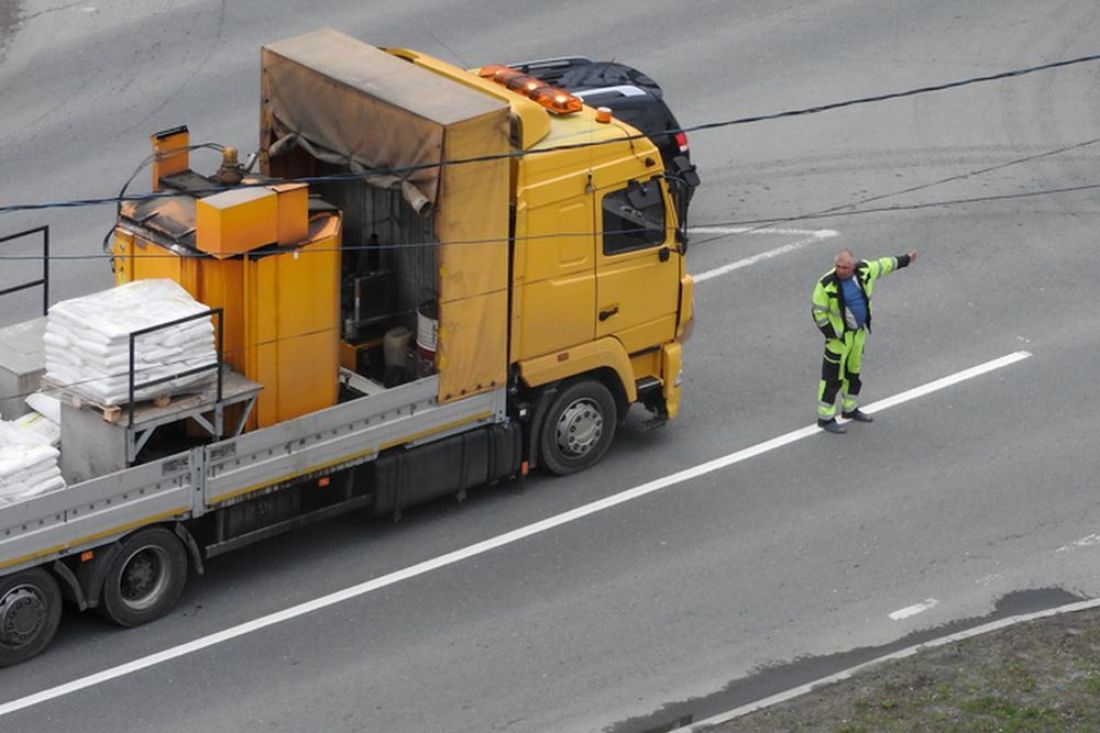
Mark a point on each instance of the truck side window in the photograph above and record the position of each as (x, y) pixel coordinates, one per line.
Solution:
(628, 227)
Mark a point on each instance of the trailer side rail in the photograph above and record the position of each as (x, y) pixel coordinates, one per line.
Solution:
(340, 437)
(95, 512)
(188, 484)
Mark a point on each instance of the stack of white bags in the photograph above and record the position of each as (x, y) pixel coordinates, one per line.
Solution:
(87, 342)
(28, 461)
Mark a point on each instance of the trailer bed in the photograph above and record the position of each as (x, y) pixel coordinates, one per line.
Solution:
(190, 483)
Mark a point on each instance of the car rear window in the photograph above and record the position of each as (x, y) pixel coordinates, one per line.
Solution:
(607, 74)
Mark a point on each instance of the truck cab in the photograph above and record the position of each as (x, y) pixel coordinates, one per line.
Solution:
(599, 286)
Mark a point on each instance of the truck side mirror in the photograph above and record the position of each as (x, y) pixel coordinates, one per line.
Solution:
(685, 171)
(684, 179)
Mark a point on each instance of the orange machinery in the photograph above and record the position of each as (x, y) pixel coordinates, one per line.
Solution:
(257, 253)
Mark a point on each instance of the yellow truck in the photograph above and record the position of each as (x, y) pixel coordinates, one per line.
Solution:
(438, 278)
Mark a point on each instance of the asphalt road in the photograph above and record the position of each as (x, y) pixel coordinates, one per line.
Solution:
(671, 605)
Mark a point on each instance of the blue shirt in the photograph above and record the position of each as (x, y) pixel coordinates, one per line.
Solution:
(855, 303)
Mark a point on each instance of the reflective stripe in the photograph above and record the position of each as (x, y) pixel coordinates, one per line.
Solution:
(821, 308)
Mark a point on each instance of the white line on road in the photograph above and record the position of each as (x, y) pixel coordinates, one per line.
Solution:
(1085, 541)
(913, 610)
(482, 547)
(811, 236)
(765, 230)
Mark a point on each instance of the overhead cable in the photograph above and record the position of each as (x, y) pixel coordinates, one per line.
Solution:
(398, 171)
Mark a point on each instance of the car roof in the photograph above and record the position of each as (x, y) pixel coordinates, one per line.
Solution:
(607, 74)
(633, 96)
(579, 73)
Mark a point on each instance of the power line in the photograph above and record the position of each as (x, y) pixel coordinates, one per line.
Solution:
(758, 223)
(849, 210)
(398, 171)
(762, 222)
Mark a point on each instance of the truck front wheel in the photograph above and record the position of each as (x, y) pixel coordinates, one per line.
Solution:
(145, 578)
(578, 428)
(30, 612)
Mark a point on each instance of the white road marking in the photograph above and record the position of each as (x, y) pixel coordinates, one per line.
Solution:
(1092, 539)
(913, 610)
(482, 547)
(766, 230)
(809, 236)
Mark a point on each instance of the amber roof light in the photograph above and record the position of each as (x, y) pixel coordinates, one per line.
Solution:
(556, 100)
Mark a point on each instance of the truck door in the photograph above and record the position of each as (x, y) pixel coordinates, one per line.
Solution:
(555, 294)
(637, 265)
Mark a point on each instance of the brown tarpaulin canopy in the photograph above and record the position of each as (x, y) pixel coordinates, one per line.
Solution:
(349, 103)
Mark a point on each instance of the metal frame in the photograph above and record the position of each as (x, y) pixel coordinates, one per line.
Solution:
(44, 281)
(235, 389)
(217, 365)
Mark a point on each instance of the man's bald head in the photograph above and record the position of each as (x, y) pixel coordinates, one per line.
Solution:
(845, 264)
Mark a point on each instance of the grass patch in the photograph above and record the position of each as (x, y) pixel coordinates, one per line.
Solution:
(1038, 676)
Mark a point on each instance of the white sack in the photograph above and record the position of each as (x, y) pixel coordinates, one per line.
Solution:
(87, 341)
(28, 464)
(45, 405)
(41, 427)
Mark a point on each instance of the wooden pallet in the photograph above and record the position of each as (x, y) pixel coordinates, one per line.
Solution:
(111, 413)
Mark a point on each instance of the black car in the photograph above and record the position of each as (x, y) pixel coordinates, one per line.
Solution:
(632, 97)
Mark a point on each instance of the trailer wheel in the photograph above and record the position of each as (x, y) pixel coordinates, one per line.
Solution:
(578, 428)
(30, 612)
(145, 578)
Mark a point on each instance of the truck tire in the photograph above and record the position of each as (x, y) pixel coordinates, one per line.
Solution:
(145, 579)
(578, 428)
(30, 612)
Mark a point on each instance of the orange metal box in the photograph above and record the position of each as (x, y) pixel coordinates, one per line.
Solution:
(293, 223)
(233, 222)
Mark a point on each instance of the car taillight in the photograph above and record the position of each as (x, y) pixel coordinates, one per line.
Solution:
(682, 141)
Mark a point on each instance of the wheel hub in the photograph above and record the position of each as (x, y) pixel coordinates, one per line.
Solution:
(144, 578)
(23, 615)
(580, 427)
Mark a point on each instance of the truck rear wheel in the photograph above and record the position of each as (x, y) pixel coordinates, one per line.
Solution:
(579, 427)
(30, 612)
(145, 578)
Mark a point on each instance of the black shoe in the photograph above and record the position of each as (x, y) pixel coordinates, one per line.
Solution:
(831, 426)
(858, 415)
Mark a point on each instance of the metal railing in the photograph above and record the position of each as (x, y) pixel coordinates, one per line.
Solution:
(44, 281)
(217, 365)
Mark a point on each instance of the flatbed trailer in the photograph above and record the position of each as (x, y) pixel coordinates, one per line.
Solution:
(221, 496)
(537, 238)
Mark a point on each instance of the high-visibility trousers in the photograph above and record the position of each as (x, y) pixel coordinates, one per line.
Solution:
(840, 370)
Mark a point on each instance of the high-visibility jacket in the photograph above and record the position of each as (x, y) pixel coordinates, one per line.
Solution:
(829, 310)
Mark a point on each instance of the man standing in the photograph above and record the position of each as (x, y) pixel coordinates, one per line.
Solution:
(842, 311)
